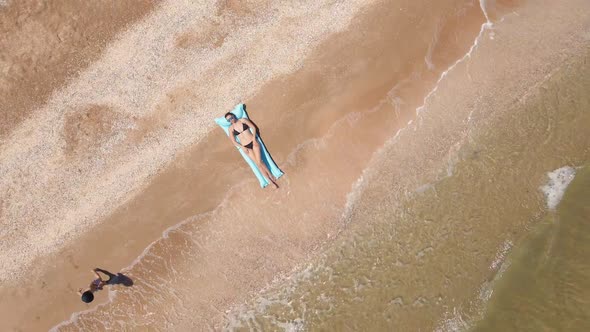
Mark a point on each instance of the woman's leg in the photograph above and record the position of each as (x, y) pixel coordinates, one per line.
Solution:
(256, 158)
(257, 153)
(254, 154)
(109, 274)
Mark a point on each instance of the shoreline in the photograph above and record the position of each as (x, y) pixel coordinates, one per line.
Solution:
(430, 281)
(329, 125)
(221, 151)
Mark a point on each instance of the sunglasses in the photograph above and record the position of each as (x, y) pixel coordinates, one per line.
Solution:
(229, 118)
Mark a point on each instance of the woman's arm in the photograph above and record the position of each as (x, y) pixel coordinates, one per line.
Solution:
(251, 125)
(232, 138)
(96, 273)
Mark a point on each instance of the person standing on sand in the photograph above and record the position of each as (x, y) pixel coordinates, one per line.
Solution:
(87, 295)
(240, 128)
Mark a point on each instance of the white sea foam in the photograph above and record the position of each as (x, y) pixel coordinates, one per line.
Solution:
(366, 177)
(112, 294)
(432, 46)
(501, 255)
(555, 187)
(483, 6)
(484, 27)
(452, 322)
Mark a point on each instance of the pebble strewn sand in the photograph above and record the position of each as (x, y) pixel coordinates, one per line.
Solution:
(45, 43)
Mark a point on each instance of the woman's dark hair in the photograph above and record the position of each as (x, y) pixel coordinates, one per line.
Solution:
(87, 297)
(229, 113)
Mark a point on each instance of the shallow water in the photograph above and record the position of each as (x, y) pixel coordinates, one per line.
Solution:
(423, 250)
(546, 285)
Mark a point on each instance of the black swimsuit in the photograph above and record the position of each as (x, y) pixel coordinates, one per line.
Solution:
(244, 128)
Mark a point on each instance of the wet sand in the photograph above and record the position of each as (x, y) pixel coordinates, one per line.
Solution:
(221, 251)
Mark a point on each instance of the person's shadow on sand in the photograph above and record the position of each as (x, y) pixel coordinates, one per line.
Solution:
(117, 279)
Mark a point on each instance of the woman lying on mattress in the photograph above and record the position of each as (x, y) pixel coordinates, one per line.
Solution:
(240, 128)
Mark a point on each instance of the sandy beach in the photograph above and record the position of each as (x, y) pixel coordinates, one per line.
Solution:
(115, 162)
